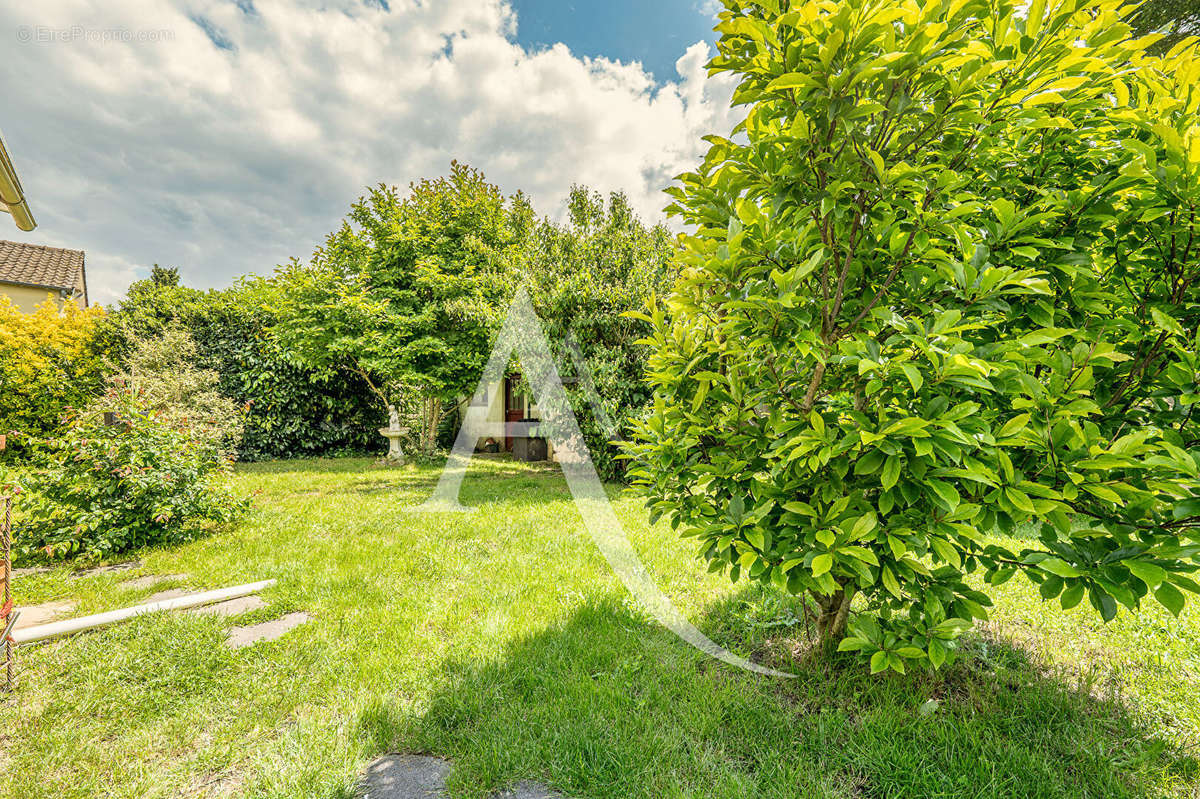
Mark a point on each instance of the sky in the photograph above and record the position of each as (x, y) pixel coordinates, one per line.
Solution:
(225, 137)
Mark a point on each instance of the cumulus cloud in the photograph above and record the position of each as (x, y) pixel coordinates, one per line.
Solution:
(226, 136)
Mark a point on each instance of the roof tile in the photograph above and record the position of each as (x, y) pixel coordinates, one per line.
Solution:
(37, 265)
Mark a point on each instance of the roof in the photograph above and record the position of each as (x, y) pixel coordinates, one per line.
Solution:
(40, 266)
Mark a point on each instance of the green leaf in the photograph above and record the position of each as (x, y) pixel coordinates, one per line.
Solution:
(1167, 323)
(793, 80)
(1171, 598)
(946, 492)
(862, 553)
(914, 376)
(879, 662)
(890, 582)
(891, 472)
(1148, 573)
(1059, 567)
(821, 564)
(1072, 596)
(1019, 499)
(1013, 425)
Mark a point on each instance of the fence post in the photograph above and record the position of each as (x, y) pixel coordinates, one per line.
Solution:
(7, 614)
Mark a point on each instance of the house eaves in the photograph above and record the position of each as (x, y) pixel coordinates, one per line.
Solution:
(12, 196)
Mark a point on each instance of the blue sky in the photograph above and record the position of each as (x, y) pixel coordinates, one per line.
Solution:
(224, 137)
(654, 32)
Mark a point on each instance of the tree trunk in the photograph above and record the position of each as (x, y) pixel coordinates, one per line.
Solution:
(831, 624)
(433, 420)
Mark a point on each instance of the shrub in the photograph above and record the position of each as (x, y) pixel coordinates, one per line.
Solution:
(162, 373)
(50, 360)
(944, 283)
(99, 490)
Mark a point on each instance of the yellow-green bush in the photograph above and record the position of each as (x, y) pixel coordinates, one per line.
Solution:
(50, 360)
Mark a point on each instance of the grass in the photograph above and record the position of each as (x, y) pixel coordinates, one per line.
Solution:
(502, 641)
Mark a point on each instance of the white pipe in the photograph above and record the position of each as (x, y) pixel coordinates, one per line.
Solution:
(43, 631)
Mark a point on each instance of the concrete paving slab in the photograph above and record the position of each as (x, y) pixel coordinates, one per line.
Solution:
(170, 593)
(230, 607)
(424, 777)
(267, 631)
(148, 580)
(405, 777)
(33, 615)
(529, 790)
(112, 567)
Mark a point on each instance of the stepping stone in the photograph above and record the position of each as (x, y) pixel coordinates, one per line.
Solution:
(267, 631)
(148, 580)
(170, 593)
(423, 777)
(529, 790)
(231, 607)
(33, 615)
(112, 567)
(405, 777)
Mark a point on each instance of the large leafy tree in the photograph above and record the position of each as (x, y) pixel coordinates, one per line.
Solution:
(408, 293)
(942, 283)
(584, 276)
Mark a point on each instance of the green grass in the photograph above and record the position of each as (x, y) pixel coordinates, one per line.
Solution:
(502, 641)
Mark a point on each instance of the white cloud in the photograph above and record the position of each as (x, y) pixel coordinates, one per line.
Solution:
(173, 150)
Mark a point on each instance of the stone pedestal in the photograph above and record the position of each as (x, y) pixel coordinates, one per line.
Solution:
(394, 435)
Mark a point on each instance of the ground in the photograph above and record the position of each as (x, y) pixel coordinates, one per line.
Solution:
(501, 641)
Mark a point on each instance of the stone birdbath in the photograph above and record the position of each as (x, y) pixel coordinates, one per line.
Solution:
(394, 433)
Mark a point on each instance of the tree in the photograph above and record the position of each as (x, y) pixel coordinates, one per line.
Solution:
(1174, 19)
(408, 293)
(942, 284)
(583, 277)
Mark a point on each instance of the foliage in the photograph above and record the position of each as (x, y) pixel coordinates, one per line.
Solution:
(290, 411)
(162, 373)
(50, 361)
(583, 277)
(102, 489)
(942, 284)
(1175, 19)
(409, 292)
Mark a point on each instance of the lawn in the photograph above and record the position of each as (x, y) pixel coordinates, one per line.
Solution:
(501, 640)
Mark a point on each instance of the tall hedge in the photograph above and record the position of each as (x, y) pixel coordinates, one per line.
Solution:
(290, 412)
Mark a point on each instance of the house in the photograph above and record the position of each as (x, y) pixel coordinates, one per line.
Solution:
(12, 196)
(31, 273)
(509, 403)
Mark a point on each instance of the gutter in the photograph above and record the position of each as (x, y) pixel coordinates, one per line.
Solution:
(59, 289)
(12, 196)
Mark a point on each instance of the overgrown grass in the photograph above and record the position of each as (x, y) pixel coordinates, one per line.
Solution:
(502, 640)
